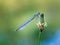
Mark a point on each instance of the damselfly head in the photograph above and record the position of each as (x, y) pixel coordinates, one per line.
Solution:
(42, 15)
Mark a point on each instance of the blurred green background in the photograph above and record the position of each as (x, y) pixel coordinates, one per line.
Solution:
(14, 13)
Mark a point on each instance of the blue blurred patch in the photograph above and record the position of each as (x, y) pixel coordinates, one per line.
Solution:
(55, 40)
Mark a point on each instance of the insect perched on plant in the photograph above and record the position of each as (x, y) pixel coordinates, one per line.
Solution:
(41, 22)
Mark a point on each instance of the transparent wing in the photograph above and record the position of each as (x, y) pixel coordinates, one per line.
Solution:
(27, 22)
(41, 20)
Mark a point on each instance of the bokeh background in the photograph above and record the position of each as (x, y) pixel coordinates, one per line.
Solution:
(14, 13)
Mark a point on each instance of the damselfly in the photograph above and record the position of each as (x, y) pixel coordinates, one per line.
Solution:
(41, 23)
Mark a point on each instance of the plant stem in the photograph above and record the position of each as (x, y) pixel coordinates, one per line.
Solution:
(39, 37)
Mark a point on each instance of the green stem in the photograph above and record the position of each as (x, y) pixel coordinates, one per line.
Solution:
(39, 37)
